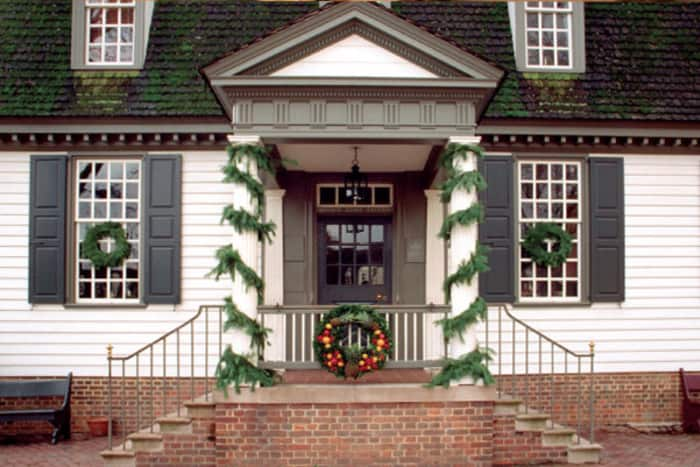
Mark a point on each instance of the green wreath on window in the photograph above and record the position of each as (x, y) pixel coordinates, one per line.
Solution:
(534, 244)
(90, 246)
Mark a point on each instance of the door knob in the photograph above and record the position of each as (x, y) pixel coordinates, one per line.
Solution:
(380, 297)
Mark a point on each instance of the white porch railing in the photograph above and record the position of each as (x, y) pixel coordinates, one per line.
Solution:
(418, 342)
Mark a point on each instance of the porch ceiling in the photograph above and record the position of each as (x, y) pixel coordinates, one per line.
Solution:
(372, 157)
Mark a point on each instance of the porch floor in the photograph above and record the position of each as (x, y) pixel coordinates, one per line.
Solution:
(381, 377)
(622, 447)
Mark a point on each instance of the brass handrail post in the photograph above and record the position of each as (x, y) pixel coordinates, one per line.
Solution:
(109, 396)
(578, 405)
(123, 401)
(165, 380)
(138, 394)
(153, 414)
(592, 394)
(206, 354)
(192, 360)
(527, 370)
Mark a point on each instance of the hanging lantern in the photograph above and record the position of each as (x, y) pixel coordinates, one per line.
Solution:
(355, 183)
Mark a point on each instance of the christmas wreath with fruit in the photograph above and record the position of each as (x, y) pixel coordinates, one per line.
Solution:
(352, 340)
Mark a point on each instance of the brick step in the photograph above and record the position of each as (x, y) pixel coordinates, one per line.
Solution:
(200, 410)
(507, 407)
(584, 453)
(531, 422)
(174, 424)
(558, 437)
(118, 458)
(145, 442)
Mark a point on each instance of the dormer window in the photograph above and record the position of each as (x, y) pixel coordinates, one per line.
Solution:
(548, 36)
(110, 34)
(110, 31)
(548, 26)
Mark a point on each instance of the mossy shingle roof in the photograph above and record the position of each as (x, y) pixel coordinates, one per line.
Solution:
(642, 60)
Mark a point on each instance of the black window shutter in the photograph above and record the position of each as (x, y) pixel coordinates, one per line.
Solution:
(161, 258)
(47, 229)
(497, 230)
(607, 232)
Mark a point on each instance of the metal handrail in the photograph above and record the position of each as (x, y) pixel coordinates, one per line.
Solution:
(148, 349)
(553, 344)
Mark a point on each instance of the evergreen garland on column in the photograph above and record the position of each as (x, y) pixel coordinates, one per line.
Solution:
(472, 364)
(235, 369)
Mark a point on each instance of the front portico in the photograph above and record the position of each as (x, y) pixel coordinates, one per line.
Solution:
(355, 77)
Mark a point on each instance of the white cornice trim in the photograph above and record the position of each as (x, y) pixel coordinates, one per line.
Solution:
(355, 82)
(612, 130)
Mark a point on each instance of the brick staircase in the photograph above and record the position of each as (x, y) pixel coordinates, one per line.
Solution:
(518, 438)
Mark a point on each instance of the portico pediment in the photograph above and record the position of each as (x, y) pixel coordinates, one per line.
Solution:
(349, 67)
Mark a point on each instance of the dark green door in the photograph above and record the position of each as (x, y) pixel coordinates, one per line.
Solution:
(354, 260)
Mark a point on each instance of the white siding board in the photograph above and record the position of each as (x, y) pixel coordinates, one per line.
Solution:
(657, 328)
(52, 340)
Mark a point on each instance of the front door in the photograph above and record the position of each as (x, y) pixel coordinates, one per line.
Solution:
(354, 260)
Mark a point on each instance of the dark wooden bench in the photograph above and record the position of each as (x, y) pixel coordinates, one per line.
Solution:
(58, 417)
(691, 401)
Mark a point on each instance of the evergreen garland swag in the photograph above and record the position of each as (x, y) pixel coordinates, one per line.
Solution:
(235, 369)
(90, 246)
(332, 343)
(473, 364)
(534, 244)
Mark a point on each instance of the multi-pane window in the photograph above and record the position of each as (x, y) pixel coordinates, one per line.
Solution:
(108, 190)
(548, 33)
(335, 195)
(110, 31)
(354, 254)
(550, 191)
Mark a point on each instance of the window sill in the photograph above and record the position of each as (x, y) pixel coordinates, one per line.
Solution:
(77, 306)
(584, 304)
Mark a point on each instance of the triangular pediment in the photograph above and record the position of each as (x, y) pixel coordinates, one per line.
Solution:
(354, 56)
(351, 40)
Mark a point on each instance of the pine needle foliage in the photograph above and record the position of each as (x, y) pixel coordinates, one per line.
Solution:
(238, 370)
(454, 152)
(471, 365)
(474, 214)
(230, 262)
(242, 220)
(458, 325)
(235, 369)
(469, 181)
(474, 364)
(465, 273)
(236, 319)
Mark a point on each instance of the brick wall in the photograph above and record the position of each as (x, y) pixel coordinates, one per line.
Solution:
(89, 398)
(619, 397)
(362, 433)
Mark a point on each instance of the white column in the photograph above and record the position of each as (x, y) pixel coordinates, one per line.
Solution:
(463, 243)
(273, 259)
(246, 299)
(434, 272)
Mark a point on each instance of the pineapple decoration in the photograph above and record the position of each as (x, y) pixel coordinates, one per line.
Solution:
(352, 340)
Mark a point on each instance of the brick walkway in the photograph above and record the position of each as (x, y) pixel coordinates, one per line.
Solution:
(623, 448)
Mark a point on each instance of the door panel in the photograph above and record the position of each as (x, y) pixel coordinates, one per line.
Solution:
(354, 260)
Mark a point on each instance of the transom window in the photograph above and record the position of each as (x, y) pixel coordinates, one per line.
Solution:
(108, 190)
(335, 195)
(548, 32)
(110, 32)
(550, 191)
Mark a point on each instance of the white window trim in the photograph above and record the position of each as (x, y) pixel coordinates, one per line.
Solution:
(579, 242)
(79, 37)
(74, 281)
(577, 40)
